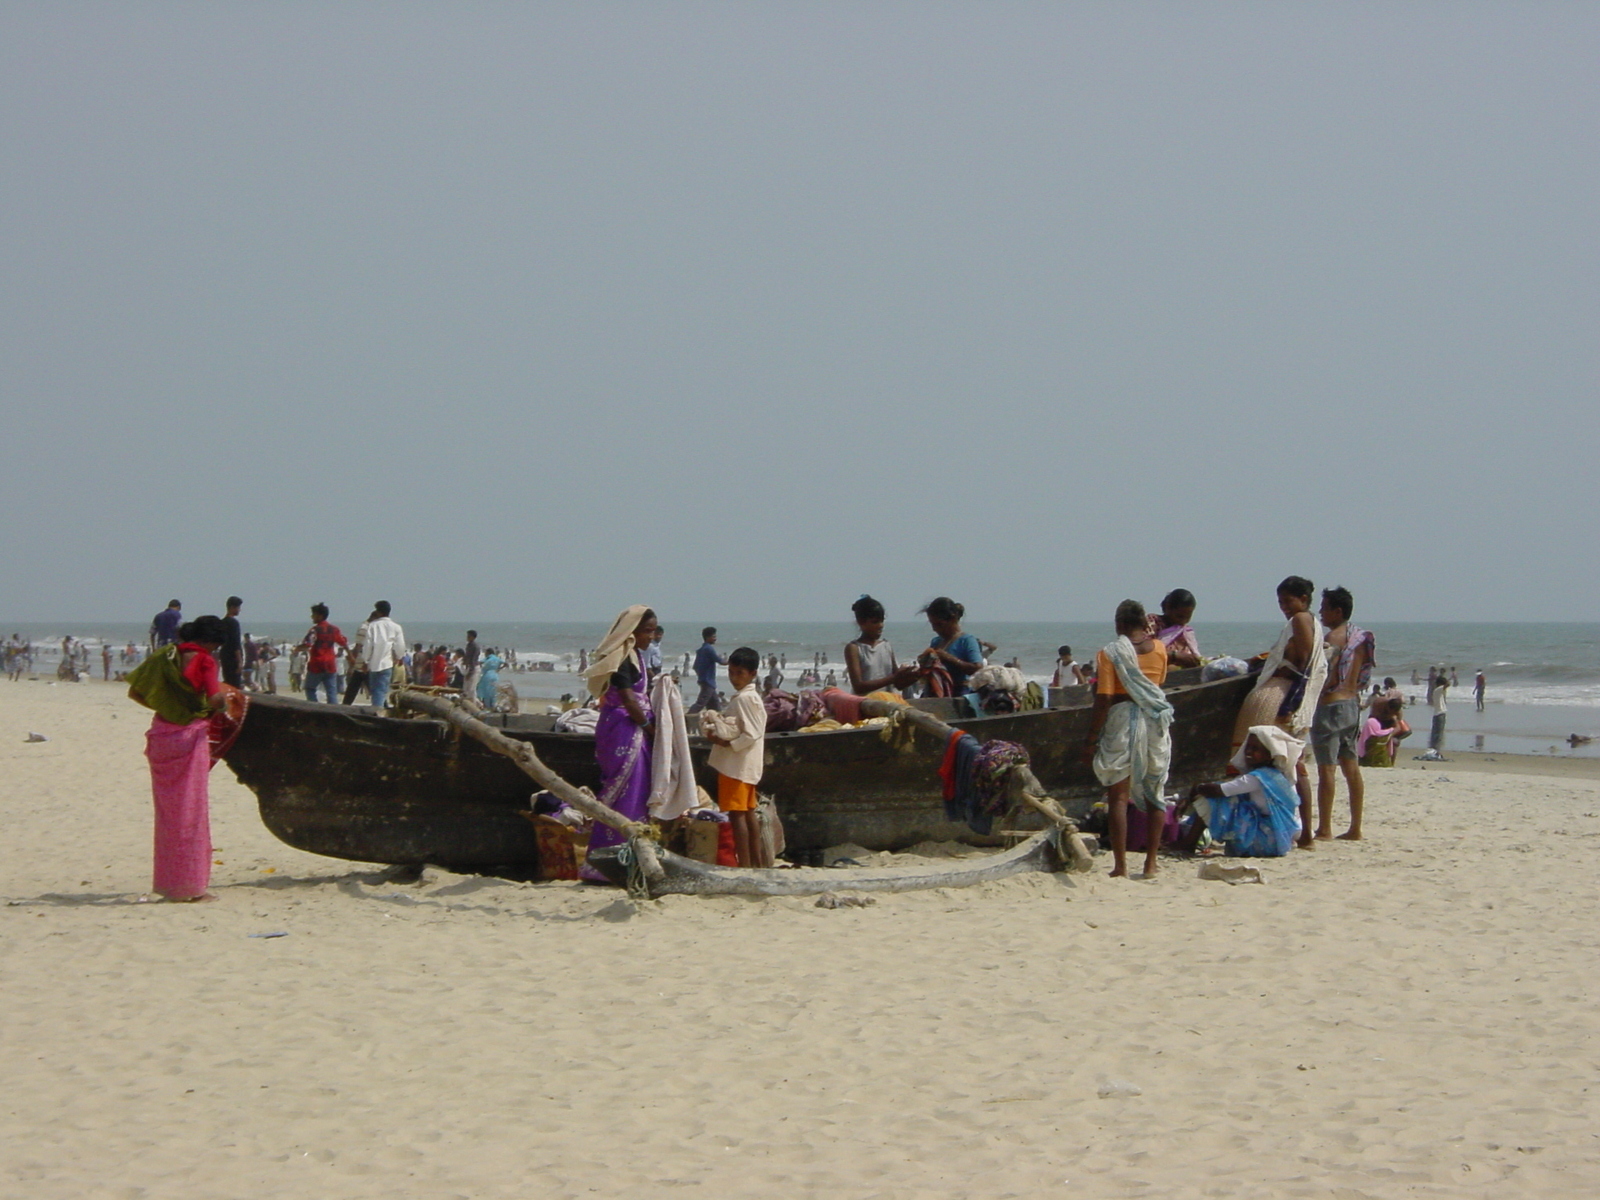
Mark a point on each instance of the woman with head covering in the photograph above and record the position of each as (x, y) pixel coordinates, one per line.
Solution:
(489, 678)
(184, 687)
(623, 735)
(1288, 686)
(1255, 813)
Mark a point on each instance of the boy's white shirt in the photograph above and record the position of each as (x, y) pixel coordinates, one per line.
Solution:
(745, 727)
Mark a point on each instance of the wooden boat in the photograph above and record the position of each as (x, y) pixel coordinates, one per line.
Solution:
(351, 782)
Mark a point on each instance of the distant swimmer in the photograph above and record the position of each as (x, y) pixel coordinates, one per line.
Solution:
(1578, 739)
(1478, 685)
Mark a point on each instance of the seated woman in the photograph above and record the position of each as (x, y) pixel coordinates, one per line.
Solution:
(1255, 813)
(869, 661)
(953, 656)
(1376, 742)
(1172, 626)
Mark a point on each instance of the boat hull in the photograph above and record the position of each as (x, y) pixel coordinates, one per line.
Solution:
(352, 783)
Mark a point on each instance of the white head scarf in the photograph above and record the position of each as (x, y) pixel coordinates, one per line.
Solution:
(1284, 748)
(615, 649)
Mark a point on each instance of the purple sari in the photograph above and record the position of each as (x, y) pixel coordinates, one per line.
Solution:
(624, 757)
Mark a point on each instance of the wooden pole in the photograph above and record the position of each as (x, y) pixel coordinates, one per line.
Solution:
(1025, 784)
(638, 834)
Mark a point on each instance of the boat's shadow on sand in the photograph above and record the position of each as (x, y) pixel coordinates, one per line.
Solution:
(360, 885)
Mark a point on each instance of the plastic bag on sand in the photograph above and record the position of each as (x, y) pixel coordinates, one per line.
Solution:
(1229, 872)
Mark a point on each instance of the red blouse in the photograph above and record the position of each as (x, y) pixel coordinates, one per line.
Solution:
(201, 672)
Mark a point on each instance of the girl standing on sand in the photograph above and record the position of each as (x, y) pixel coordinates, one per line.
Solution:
(1130, 742)
(623, 735)
(182, 683)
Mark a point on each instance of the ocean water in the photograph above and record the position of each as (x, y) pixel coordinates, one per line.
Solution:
(1543, 678)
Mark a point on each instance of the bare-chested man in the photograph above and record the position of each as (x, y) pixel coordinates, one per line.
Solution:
(1351, 651)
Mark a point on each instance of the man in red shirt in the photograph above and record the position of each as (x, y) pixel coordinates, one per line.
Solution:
(322, 666)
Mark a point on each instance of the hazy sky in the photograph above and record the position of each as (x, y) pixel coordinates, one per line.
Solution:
(529, 311)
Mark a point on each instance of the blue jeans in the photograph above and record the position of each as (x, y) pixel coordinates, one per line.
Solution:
(378, 684)
(322, 679)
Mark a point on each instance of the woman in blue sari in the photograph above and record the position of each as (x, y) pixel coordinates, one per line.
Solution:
(623, 736)
(1257, 813)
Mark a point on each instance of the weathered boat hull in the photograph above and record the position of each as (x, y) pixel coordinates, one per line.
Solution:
(353, 783)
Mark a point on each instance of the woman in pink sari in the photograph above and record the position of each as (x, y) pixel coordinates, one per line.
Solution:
(178, 747)
(624, 734)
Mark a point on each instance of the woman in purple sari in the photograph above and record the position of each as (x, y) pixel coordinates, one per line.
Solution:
(624, 734)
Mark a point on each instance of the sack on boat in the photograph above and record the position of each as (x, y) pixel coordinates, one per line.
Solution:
(579, 720)
(1223, 668)
(783, 711)
(771, 827)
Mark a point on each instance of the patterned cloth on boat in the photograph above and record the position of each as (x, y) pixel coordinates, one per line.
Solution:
(991, 770)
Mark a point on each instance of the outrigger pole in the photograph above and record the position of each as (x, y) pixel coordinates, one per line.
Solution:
(668, 873)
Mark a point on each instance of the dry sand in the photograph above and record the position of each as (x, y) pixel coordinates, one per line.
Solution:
(1410, 1016)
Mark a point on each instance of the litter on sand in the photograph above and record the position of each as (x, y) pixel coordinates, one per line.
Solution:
(1229, 872)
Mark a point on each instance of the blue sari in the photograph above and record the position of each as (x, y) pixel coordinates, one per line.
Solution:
(1258, 824)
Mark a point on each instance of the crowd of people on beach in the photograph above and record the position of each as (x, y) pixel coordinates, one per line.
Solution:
(1312, 703)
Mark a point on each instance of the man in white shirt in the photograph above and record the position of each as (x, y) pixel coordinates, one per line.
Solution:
(1436, 698)
(384, 644)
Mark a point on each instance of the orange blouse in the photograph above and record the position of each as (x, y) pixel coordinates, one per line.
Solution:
(1152, 665)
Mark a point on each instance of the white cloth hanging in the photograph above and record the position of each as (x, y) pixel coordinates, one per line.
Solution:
(672, 788)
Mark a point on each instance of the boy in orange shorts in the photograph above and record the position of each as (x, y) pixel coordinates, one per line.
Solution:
(738, 736)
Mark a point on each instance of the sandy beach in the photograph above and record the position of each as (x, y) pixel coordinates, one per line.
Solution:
(1413, 1015)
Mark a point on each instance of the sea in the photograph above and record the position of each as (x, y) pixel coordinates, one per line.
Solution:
(1543, 679)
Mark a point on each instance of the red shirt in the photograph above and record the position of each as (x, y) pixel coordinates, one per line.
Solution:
(441, 670)
(201, 671)
(322, 638)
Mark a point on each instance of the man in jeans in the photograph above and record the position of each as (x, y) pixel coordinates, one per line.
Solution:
(706, 662)
(322, 665)
(384, 645)
(1337, 721)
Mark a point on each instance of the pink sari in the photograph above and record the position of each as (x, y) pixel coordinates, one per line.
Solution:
(180, 761)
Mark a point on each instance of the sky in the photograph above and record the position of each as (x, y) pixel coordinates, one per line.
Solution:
(529, 312)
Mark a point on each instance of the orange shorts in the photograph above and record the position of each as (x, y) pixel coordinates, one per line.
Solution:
(733, 795)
